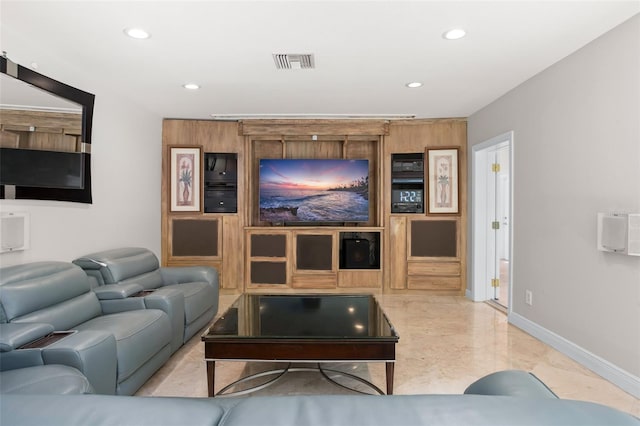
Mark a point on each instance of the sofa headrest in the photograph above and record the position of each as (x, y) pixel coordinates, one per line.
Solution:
(34, 286)
(119, 264)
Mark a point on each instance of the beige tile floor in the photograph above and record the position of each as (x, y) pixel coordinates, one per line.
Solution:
(445, 344)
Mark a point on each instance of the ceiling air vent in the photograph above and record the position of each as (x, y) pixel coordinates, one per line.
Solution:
(293, 61)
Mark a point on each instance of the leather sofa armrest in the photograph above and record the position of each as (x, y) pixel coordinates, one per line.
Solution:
(171, 302)
(122, 297)
(511, 383)
(92, 352)
(14, 335)
(114, 306)
(117, 291)
(20, 358)
(185, 274)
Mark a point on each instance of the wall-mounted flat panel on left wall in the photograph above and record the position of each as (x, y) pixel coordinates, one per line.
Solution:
(14, 231)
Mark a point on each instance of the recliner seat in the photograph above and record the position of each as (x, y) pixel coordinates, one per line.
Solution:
(133, 265)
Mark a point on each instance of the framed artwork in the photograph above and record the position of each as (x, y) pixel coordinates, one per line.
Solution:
(185, 178)
(442, 175)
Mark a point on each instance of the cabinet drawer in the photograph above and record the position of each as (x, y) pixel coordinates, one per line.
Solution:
(434, 268)
(222, 203)
(433, 283)
(357, 279)
(314, 280)
(230, 175)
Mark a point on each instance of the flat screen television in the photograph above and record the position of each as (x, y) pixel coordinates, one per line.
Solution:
(314, 190)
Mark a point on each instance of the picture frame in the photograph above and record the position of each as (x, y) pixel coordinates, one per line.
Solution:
(184, 185)
(443, 181)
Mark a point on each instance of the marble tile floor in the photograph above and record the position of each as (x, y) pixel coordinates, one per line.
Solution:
(445, 344)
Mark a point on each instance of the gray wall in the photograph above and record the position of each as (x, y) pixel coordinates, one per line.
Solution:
(577, 152)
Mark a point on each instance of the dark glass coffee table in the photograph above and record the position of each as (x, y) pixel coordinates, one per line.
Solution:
(302, 328)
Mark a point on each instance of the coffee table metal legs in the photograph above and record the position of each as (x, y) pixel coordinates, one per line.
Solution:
(211, 374)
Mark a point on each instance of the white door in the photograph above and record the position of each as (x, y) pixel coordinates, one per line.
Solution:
(500, 219)
(491, 221)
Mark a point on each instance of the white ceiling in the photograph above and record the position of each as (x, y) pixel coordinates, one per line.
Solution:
(365, 51)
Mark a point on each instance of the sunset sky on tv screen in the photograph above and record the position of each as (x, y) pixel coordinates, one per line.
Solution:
(310, 174)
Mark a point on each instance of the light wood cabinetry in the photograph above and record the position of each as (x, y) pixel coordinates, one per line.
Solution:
(408, 251)
(291, 258)
(197, 238)
(428, 251)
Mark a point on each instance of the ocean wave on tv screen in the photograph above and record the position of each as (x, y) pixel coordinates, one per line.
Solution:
(315, 206)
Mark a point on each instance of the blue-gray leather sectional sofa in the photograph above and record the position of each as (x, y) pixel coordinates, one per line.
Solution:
(503, 398)
(77, 339)
(116, 317)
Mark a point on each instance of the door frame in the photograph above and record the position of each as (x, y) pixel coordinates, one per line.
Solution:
(480, 163)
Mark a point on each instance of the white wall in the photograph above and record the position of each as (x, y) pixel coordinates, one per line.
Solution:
(126, 174)
(577, 152)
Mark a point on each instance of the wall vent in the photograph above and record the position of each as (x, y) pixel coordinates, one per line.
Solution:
(293, 61)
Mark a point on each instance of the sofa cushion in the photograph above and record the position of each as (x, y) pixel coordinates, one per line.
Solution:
(57, 293)
(44, 379)
(139, 335)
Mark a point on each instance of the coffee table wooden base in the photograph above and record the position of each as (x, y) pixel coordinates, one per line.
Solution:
(288, 350)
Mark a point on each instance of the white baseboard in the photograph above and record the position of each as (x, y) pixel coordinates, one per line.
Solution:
(619, 377)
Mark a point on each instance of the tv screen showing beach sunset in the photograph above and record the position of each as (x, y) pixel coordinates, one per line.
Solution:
(296, 190)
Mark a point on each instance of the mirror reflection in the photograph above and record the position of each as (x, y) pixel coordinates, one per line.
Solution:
(31, 118)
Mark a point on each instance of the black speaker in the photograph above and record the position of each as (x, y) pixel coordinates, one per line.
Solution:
(356, 254)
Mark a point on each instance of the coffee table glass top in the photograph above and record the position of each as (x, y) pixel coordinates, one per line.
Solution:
(258, 316)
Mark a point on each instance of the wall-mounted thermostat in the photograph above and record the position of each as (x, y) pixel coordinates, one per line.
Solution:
(619, 233)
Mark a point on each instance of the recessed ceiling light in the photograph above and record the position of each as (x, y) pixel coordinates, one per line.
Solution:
(454, 34)
(191, 86)
(414, 84)
(138, 33)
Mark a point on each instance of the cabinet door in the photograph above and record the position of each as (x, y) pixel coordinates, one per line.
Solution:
(268, 272)
(232, 260)
(267, 264)
(398, 252)
(314, 265)
(433, 239)
(314, 252)
(199, 239)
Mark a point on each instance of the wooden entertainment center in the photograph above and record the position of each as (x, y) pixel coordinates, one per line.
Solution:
(403, 247)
